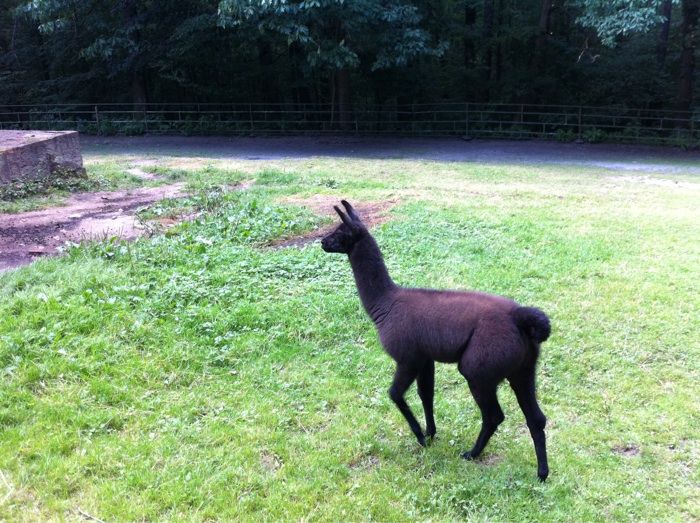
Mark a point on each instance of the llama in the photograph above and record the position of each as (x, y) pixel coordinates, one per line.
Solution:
(491, 338)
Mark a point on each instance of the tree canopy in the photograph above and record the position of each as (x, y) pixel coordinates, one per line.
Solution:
(633, 52)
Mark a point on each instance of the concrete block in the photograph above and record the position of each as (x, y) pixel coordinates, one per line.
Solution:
(36, 155)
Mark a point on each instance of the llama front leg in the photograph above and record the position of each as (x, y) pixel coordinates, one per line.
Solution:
(426, 391)
(404, 376)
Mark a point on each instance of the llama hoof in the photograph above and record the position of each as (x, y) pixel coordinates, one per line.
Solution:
(468, 455)
(431, 432)
(542, 474)
(421, 440)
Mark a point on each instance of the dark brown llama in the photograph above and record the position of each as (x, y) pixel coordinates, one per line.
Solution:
(491, 338)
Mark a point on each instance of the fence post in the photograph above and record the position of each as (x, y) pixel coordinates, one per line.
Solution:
(579, 122)
(466, 120)
(97, 120)
(692, 125)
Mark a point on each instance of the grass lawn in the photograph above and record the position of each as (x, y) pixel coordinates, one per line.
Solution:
(206, 374)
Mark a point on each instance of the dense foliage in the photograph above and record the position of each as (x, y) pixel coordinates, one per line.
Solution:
(634, 52)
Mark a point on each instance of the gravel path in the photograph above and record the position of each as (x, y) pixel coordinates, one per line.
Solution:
(615, 157)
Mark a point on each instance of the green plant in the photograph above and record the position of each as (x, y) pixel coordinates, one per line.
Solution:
(594, 135)
(59, 180)
(132, 128)
(275, 177)
(565, 135)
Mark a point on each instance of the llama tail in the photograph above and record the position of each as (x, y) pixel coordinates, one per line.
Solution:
(532, 322)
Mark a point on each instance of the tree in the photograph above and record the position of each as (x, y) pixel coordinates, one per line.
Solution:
(546, 7)
(612, 19)
(489, 47)
(120, 42)
(662, 45)
(336, 37)
(619, 18)
(343, 53)
(689, 38)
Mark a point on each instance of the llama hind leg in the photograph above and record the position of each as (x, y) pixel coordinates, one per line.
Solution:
(491, 416)
(403, 378)
(491, 353)
(426, 391)
(524, 387)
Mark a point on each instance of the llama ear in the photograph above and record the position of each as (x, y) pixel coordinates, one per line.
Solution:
(347, 221)
(351, 211)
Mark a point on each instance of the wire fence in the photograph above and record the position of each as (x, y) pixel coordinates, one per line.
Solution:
(514, 121)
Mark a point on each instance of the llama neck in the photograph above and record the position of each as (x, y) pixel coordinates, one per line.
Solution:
(371, 275)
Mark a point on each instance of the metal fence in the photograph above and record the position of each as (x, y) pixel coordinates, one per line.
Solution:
(515, 121)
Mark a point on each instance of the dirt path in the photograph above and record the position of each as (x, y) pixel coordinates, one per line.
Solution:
(85, 216)
(372, 214)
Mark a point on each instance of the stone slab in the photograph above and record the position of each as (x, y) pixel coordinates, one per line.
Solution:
(35, 155)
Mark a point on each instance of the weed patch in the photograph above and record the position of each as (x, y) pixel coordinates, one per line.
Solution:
(69, 182)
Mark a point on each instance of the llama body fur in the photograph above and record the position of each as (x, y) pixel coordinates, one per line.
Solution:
(491, 338)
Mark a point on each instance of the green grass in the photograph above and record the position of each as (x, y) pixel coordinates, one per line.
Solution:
(207, 375)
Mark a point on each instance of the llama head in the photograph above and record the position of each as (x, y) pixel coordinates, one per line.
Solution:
(347, 234)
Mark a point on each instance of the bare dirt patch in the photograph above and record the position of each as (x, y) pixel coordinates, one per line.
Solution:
(143, 169)
(364, 463)
(86, 216)
(372, 214)
(489, 460)
(270, 462)
(626, 450)
(144, 175)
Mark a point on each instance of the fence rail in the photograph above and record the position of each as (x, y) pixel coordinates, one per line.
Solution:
(517, 121)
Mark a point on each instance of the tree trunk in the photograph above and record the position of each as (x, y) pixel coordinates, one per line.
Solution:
(542, 33)
(497, 50)
(690, 10)
(496, 64)
(129, 12)
(333, 104)
(343, 95)
(662, 44)
(468, 50)
(138, 92)
(487, 34)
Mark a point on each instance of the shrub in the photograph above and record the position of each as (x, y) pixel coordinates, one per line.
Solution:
(594, 135)
(565, 135)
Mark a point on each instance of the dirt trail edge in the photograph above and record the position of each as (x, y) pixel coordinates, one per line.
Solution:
(372, 214)
(85, 216)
